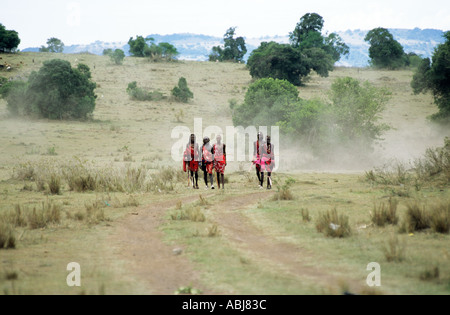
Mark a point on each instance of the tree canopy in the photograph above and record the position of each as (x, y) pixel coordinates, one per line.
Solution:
(146, 47)
(234, 48)
(385, 51)
(9, 40)
(434, 75)
(308, 50)
(56, 91)
(54, 45)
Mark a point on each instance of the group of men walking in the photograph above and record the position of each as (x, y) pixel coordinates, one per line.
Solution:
(210, 157)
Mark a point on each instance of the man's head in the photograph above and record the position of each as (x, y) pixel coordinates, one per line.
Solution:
(260, 136)
(192, 138)
(219, 138)
(205, 140)
(268, 139)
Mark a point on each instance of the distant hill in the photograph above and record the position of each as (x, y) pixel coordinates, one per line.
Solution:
(198, 47)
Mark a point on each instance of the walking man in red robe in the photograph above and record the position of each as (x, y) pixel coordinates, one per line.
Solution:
(220, 161)
(191, 158)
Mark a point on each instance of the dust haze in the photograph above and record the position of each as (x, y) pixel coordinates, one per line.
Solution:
(399, 145)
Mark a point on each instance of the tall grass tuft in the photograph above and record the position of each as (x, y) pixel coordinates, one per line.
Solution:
(385, 214)
(440, 217)
(394, 249)
(48, 214)
(7, 238)
(284, 191)
(417, 217)
(332, 224)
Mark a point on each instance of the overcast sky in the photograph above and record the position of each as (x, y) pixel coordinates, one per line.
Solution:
(85, 21)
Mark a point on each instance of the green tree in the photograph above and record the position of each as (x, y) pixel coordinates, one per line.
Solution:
(182, 92)
(307, 30)
(117, 56)
(266, 102)
(137, 46)
(9, 40)
(356, 111)
(54, 45)
(308, 34)
(168, 51)
(385, 51)
(434, 75)
(308, 50)
(278, 61)
(107, 51)
(56, 91)
(234, 48)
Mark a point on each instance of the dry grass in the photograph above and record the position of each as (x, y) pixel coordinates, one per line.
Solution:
(7, 236)
(385, 214)
(334, 225)
(143, 127)
(193, 213)
(394, 249)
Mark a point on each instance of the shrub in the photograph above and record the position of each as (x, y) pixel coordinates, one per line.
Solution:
(140, 94)
(332, 224)
(117, 56)
(182, 92)
(267, 102)
(435, 164)
(56, 91)
(284, 192)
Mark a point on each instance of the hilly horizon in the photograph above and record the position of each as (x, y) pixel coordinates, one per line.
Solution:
(197, 47)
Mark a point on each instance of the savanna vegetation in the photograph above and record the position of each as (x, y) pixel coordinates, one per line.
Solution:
(87, 175)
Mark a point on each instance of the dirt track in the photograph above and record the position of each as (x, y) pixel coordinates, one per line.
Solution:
(139, 243)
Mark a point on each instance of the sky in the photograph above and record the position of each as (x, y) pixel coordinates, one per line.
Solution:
(85, 21)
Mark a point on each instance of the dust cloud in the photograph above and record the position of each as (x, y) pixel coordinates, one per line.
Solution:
(401, 145)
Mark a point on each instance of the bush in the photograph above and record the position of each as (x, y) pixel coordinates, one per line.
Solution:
(56, 91)
(284, 192)
(117, 56)
(140, 94)
(267, 102)
(332, 224)
(182, 92)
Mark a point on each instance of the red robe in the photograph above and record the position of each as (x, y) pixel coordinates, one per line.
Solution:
(191, 158)
(220, 158)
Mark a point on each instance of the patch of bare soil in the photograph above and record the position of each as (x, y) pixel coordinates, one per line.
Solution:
(139, 243)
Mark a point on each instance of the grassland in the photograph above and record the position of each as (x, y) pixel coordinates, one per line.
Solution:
(241, 241)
